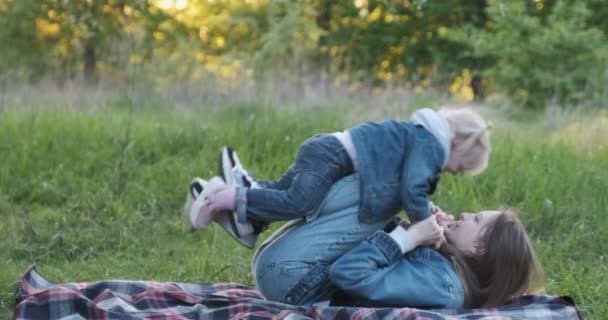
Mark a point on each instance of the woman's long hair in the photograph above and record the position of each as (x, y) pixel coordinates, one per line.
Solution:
(508, 268)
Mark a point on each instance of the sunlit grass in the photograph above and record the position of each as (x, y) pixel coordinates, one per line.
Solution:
(98, 195)
(587, 134)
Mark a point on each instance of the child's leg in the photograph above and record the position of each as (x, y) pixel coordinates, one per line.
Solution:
(232, 171)
(321, 161)
(283, 183)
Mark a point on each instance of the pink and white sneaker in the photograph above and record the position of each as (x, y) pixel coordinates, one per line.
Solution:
(194, 190)
(198, 197)
(198, 218)
(232, 171)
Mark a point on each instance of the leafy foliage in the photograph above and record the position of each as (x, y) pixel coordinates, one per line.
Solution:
(64, 37)
(530, 50)
(536, 58)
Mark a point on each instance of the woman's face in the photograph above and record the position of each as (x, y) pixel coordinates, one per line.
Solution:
(464, 234)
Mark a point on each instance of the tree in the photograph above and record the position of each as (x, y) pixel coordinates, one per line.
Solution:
(536, 57)
(61, 35)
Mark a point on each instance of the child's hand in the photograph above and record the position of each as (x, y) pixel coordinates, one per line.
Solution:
(443, 218)
(427, 232)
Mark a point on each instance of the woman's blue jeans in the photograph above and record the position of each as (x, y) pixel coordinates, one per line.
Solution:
(292, 265)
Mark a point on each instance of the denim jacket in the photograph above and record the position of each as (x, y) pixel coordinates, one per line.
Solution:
(376, 273)
(397, 162)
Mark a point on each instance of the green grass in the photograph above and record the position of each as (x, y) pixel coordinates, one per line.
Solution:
(97, 195)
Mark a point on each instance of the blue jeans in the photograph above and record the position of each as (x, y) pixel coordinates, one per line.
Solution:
(321, 161)
(292, 266)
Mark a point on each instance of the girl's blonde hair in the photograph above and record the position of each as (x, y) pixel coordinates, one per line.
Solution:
(471, 140)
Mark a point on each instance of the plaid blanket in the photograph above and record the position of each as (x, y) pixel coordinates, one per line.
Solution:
(129, 300)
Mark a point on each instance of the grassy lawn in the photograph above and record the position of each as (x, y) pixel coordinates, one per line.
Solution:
(98, 194)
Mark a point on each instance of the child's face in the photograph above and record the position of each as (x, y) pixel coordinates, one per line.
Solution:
(454, 165)
(471, 159)
(464, 234)
(456, 162)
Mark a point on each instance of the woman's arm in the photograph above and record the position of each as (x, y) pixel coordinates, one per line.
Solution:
(377, 270)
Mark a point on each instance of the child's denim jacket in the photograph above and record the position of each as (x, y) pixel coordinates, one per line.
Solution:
(376, 273)
(397, 164)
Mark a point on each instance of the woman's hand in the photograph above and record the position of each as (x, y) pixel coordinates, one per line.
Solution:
(427, 232)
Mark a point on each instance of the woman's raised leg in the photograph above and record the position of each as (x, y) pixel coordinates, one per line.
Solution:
(291, 266)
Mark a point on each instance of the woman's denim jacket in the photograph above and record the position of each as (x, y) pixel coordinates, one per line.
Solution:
(397, 163)
(376, 273)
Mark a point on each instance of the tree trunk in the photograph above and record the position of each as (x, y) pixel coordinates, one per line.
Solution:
(477, 79)
(90, 62)
(323, 22)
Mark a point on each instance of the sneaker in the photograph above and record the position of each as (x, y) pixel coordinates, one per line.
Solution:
(196, 187)
(196, 219)
(231, 169)
(241, 232)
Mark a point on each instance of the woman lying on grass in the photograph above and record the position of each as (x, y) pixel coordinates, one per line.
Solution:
(487, 258)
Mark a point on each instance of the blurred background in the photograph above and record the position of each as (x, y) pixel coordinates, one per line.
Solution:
(530, 53)
(108, 108)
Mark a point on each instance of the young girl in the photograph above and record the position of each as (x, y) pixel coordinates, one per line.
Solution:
(487, 260)
(398, 164)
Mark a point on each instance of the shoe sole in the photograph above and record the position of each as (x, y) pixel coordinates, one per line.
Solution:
(212, 186)
(194, 190)
(227, 220)
(225, 163)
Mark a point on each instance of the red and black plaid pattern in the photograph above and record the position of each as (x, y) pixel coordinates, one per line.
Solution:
(129, 300)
